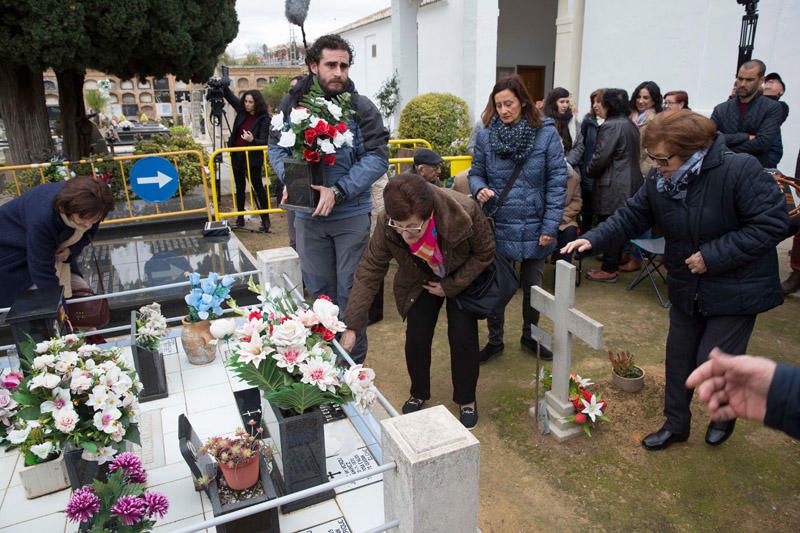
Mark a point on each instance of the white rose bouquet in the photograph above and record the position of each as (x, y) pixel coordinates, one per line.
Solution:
(78, 393)
(151, 326)
(285, 350)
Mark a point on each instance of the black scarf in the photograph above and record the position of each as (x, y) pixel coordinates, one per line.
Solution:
(562, 125)
(514, 142)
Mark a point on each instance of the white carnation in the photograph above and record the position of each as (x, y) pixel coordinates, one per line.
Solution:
(277, 121)
(287, 139)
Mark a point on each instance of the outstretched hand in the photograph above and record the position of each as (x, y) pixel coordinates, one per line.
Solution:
(733, 387)
(581, 245)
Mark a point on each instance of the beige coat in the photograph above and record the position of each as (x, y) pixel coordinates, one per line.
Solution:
(574, 201)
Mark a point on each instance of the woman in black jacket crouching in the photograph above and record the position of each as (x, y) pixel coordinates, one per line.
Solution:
(722, 218)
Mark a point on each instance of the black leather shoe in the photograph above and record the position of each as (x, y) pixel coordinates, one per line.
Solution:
(718, 432)
(412, 405)
(663, 438)
(530, 345)
(489, 351)
(239, 222)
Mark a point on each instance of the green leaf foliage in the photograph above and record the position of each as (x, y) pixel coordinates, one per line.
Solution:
(267, 376)
(301, 396)
(442, 119)
(132, 434)
(273, 92)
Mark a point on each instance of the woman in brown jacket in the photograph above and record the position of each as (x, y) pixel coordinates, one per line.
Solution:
(441, 241)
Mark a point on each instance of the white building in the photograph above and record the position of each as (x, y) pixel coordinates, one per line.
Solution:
(463, 46)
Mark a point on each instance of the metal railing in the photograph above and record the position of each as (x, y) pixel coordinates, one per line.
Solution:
(458, 163)
(215, 194)
(118, 181)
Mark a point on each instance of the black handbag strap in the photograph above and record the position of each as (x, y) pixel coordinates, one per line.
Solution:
(97, 268)
(507, 188)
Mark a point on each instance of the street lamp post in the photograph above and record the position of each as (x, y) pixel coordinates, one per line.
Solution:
(748, 34)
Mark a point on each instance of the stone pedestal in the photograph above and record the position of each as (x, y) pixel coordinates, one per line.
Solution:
(557, 413)
(275, 262)
(435, 486)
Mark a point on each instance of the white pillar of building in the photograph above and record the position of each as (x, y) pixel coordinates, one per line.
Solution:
(435, 487)
(479, 51)
(569, 42)
(405, 46)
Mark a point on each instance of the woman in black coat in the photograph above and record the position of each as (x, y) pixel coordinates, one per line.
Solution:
(722, 218)
(615, 171)
(250, 128)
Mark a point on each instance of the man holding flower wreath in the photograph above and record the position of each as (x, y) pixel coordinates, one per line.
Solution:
(331, 240)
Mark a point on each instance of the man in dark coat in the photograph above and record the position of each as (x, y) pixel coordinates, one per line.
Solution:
(751, 122)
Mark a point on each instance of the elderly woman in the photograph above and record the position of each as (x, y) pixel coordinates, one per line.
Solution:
(43, 232)
(516, 143)
(722, 217)
(441, 241)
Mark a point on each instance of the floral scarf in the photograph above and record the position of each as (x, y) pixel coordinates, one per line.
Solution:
(515, 141)
(677, 185)
(427, 249)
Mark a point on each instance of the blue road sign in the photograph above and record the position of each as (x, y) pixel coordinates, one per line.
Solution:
(154, 179)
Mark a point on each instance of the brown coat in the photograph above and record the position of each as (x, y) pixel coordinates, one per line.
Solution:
(574, 201)
(466, 241)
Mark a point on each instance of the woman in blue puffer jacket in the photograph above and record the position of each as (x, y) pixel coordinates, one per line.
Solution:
(526, 223)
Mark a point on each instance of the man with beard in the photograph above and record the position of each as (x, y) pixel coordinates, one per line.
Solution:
(331, 240)
(751, 122)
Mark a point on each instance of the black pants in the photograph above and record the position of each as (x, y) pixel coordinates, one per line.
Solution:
(611, 256)
(586, 211)
(462, 333)
(689, 342)
(239, 164)
(531, 272)
(567, 235)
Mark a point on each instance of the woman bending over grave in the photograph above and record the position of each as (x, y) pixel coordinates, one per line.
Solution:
(722, 217)
(442, 242)
(519, 175)
(43, 232)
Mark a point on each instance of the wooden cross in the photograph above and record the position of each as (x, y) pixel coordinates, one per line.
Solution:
(567, 321)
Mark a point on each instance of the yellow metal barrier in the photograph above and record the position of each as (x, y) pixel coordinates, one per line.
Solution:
(121, 159)
(458, 163)
(412, 142)
(218, 214)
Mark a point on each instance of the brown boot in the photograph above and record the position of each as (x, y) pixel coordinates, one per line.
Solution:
(792, 283)
(597, 274)
(634, 265)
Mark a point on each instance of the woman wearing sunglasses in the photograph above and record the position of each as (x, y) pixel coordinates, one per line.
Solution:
(441, 241)
(722, 217)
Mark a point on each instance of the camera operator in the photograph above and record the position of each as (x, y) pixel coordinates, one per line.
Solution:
(250, 128)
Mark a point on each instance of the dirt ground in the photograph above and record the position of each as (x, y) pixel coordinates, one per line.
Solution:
(608, 482)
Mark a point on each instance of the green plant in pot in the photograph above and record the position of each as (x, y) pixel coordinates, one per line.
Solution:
(625, 374)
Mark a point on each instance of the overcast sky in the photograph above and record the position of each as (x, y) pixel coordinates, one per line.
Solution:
(263, 21)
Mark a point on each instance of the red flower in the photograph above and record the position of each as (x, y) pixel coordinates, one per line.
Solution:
(311, 135)
(329, 159)
(576, 402)
(327, 334)
(580, 418)
(284, 319)
(247, 339)
(322, 127)
(254, 314)
(586, 395)
(311, 156)
(324, 297)
(332, 130)
(602, 404)
(341, 127)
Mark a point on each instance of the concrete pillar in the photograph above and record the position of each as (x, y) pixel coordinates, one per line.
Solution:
(569, 42)
(273, 263)
(479, 52)
(436, 484)
(405, 44)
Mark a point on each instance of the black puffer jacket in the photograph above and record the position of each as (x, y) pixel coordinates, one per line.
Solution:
(260, 129)
(762, 119)
(733, 213)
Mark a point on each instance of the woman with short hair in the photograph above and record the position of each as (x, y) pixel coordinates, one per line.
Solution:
(675, 100)
(43, 232)
(722, 217)
(441, 242)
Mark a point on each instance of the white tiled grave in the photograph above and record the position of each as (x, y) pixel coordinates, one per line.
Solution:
(205, 395)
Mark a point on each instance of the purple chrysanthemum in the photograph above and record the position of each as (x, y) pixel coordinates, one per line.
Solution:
(132, 465)
(82, 505)
(129, 509)
(157, 504)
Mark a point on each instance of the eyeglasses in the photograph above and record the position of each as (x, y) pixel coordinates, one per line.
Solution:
(660, 161)
(411, 230)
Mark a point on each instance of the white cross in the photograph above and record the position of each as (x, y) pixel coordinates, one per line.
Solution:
(567, 321)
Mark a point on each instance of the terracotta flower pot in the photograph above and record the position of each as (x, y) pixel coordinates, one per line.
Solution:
(198, 343)
(242, 476)
(628, 384)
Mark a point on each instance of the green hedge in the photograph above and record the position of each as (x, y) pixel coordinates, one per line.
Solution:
(443, 119)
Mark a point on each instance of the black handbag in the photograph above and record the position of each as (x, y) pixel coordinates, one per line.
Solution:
(489, 293)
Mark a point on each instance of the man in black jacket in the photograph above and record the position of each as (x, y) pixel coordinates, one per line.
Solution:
(750, 123)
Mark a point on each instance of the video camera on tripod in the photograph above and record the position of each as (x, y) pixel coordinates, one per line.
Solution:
(215, 94)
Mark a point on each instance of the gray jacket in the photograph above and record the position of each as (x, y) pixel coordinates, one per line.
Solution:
(615, 165)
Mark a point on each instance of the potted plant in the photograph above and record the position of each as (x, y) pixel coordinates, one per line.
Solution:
(148, 327)
(624, 373)
(314, 131)
(121, 503)
(205, 304)
(237, 456)
(588, 406)
(78, 399)
(285, 350)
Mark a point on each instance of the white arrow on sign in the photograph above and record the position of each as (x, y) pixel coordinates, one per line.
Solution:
(161, 179)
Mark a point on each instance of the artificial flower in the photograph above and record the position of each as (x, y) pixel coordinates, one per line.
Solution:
(289, 357)
(291, 332)
(319, 373)
(277, 121)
